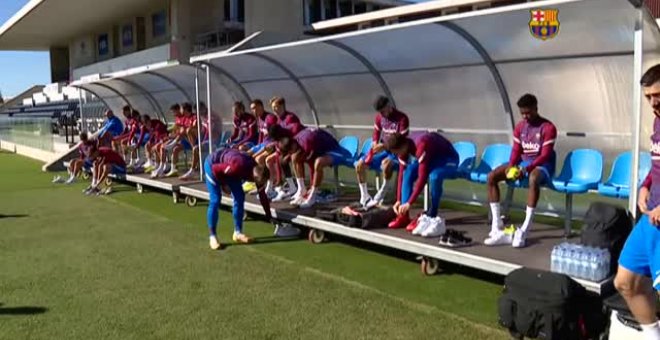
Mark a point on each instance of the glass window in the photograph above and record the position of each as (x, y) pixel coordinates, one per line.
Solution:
(159, 23)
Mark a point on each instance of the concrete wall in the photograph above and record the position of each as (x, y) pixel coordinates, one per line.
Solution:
(141, 58)
(283, 17)
(81, 51)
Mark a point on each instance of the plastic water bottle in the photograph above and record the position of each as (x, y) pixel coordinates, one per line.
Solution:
(554, 259)
(584, 263)
(570, 262)
(594, 265)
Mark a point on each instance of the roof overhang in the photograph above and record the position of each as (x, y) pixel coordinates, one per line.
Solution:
(42, 24)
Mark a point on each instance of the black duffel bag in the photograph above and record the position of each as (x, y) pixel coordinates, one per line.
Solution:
(607, 226)
(544, 305)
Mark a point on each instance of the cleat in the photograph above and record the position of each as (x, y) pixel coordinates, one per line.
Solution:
(498, 238)
(91, 191)
(422, 223)
(380, 196)
(286, 230)
(241, 238)
(364, 201)
(271, 194)
(519, 239)
(58, 179)
(281, 195)
(297, 200)
(87, 189)
(173, 173)
(308, 202)
(214, 243)
(400, 222)
(412, 225)
(435, 228)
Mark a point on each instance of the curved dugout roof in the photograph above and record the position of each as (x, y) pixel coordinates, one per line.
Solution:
(463, 73)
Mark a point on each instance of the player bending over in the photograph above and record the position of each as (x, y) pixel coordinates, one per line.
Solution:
(317, 148)
(533, 154)
(426, 158)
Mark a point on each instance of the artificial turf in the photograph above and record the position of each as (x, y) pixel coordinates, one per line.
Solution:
(136, 266)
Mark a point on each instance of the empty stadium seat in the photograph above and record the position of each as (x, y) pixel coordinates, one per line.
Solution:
(351, 144)
(366, 146)
(467, 154)
(493, 156)
(618, 184)
(581, 172)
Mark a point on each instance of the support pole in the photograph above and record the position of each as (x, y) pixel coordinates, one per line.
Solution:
(199, 128)
(209, 106)
(636, 111)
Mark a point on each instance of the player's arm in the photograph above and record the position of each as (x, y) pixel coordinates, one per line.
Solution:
(374, 140)
(265, 203)
(422, 173)
(236, 132)
(516, 152)
(404, 125)
(547, 147)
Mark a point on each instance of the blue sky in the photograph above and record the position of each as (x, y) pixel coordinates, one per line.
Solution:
(20, 70)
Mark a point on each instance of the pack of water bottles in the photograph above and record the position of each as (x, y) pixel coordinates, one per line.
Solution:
(581, 261)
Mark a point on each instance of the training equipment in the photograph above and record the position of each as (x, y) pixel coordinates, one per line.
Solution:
(513, 173)
(540, 304)
(249, 186)
(606, 226)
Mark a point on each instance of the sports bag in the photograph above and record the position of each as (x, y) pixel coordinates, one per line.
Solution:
(606, 226)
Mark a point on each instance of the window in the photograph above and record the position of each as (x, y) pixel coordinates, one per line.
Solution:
(159, 23)
(234, 10)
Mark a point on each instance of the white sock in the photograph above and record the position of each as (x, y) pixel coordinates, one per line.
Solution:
(301, 186)
(94, 184)
(497, 222)
(364, 191)
(269, 186)
(311, 193)
(291, 183)
(71, 176)
(651, 332)
(382, 190)
(529, 215)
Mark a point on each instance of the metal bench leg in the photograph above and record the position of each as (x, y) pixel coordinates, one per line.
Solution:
(336, 172)
(508, 200)
(569, 215)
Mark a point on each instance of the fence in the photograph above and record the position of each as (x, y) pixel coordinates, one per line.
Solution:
(32, 132)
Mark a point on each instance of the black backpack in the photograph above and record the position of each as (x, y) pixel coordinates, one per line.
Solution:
(607, 226)
(543, 305)
(373, 218)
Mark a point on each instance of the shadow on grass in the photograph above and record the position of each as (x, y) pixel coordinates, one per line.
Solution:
(25, 310)
(263, 240)
(13, 216)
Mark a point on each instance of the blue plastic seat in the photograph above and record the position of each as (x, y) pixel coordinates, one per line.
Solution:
(494, 155)
(618, 184)
(467, 155)
(350, 144)
(582, 171)
(366, 146)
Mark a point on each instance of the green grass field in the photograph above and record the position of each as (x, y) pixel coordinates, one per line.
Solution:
(130, 266)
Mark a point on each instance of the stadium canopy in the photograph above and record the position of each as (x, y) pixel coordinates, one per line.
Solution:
(458, 74)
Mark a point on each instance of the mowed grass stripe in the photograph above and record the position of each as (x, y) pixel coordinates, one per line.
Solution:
(106, 270)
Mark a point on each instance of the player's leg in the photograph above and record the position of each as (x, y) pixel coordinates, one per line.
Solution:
(299, 167)
(76, 167)
(387, 167)
(361, 173)
(496, 235)
(639, 261)
(407, 184)
(288, 176)
(536, 178)
(194, 164)
(174, 160)
(212, 213)
(238, 196)
(320, 164)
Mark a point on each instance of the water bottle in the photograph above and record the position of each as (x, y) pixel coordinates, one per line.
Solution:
(583, 273)
(570, 262)
(561, 258)
(606, 264)
(594, 266)
(554, 260)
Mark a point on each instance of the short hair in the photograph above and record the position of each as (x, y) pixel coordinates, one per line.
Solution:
(126, 108)
(175, 107)
(279, 101)
(257, 102)
(395, 141)
(276, 132)
(527, 100)
(381, 102)
(187, 107)
(135, 113)
(238, 104)
(286, 144)
(146, 117)
(651, 76)
(83, 136)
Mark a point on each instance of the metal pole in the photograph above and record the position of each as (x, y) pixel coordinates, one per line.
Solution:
(199, 128)
(209, 107)
(636, 112)
(82, 116)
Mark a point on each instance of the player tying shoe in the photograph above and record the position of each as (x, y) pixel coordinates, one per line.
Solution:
(315, 147)
(290, 122)
(426, 158)
(112, 128)
(105, 162)
(388, 121)
(533, 156)
(80, 163)
(225, 170)
(245, 134)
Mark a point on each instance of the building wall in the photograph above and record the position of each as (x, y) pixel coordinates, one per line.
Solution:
(59, 64)
(283, 17)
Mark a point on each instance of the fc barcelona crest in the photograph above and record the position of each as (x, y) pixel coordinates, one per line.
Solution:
(544, 23)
